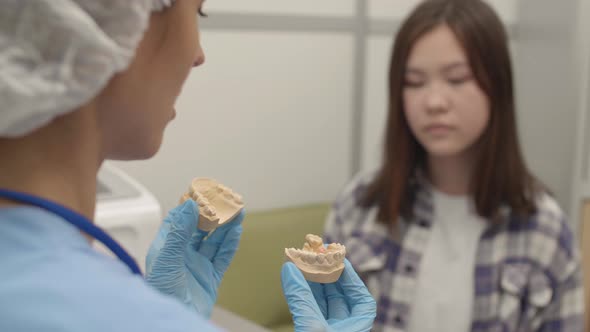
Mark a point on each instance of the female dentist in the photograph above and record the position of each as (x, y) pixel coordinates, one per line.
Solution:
(82, 81)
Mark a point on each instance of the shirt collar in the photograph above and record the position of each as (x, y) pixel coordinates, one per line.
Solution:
(41, 227)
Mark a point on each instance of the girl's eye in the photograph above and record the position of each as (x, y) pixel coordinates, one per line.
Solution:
(412, 84)
(459, 80)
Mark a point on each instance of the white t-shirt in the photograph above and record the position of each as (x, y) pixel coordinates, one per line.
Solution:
(445, 292)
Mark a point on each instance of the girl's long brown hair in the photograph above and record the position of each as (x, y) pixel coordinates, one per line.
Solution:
(500, 175)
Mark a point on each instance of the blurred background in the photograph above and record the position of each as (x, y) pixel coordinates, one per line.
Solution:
(292, 99)
(291, 103)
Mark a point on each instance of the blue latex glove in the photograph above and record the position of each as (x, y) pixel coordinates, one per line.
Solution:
(343, 306)
(189, 263)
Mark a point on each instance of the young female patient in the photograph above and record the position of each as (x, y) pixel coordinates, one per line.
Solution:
(452, 232)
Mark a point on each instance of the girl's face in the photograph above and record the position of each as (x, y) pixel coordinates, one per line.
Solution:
(137, 104)
(445, 108)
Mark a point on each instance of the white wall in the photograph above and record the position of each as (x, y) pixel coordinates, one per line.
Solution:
(397, 9)
(379, 52)
(283, 7)
(268, 115)
(548, 91)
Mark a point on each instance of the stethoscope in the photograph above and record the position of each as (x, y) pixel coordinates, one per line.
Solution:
(77, 220)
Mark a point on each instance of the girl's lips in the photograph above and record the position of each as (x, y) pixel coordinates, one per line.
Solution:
(435, 128)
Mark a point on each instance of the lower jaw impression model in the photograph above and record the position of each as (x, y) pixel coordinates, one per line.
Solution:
(217, 203)
(318, 263)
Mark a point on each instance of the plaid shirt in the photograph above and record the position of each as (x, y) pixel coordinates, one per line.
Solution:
(527, 274)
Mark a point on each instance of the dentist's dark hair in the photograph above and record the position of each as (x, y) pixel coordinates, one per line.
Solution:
(500, 175)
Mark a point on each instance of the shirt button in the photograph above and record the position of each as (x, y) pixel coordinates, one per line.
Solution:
(409, 268)
(398, 319)
(423, 223)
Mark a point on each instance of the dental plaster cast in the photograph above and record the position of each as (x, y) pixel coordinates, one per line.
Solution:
(318, 263)
(217, 203)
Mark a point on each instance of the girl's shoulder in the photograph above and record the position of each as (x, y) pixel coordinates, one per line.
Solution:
(348, 216)
(550, 241)
(356, 226)
(550, 217)
(351, 193)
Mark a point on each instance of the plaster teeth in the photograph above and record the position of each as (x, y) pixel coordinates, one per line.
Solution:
(330, 258)
(238, 199)
(334, 246)
(184, 198)
(317, 262)
(321, 259)
(201, 200)
(303, 257)
(215, 206)
(210, 210)
(291, 252)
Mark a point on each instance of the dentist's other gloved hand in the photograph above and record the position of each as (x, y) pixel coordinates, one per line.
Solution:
(343, 306)
(183, 263)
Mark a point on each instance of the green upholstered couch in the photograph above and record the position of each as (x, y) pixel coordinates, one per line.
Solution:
(251, 287)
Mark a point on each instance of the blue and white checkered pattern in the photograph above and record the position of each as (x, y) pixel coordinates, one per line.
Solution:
(527, 274)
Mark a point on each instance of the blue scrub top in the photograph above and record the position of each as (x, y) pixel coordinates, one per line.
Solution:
(52, 280)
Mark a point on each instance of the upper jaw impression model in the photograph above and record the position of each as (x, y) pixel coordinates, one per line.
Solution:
(318, 263)
(218, 204)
